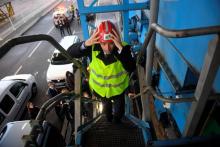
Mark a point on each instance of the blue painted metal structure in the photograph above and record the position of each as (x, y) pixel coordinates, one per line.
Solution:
(197, 13)
(124, 8)
(183, 57)
(177, 53)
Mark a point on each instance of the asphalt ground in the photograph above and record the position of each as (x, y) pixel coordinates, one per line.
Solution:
(27, 13)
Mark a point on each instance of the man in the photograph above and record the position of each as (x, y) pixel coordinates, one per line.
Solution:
(70, 80)
(52, 91)
(77, 16)
(111, 63)
(61, 25)
(67, 25)
(32, 110)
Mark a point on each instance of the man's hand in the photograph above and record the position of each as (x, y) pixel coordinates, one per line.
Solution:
(116, 39)
(94, 39)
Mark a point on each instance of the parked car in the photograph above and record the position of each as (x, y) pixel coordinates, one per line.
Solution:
(26, 134)
(15, 92)
(59, 65)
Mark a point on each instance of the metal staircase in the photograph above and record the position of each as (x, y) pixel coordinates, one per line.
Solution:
(107, 134)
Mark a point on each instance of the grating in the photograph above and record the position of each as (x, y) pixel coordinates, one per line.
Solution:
(105, 134)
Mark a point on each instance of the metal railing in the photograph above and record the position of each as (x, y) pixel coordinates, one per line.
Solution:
(156, 28)
(42, 37)
(37, 124)
(144, 88)
(51, 103)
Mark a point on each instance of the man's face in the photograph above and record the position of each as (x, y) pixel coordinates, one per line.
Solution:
(107, 47)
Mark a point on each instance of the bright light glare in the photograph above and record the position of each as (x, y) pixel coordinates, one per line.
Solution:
(24, 126)
(100, 107)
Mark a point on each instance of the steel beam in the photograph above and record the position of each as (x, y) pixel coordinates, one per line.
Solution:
(83, 21)
(125, 7)
(125, 23)
(144, 100)
(77, 103)
(112, 8)
(154, 8)
(204, 86)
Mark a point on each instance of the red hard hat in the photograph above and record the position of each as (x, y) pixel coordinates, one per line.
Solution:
(105, 28)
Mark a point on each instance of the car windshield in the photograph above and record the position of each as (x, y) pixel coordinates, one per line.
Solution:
(58, 59)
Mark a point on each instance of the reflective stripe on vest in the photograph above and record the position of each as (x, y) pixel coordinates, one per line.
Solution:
(107, 80)
(108, 85)
(108, 77)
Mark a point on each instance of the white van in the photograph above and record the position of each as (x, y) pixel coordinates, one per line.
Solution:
(59, 65)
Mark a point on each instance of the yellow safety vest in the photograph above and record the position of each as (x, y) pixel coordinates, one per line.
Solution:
(107, 80)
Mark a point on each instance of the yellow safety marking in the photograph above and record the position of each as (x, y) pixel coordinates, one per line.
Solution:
(10, 9)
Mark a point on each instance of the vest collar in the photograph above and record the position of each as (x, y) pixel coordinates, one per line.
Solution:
(106, 59)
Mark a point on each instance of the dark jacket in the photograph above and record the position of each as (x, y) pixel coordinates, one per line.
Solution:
(51, 92)
(125, 56)
(33, 112)
(70, 80)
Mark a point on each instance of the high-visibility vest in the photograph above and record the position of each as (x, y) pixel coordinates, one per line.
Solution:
(107, 80)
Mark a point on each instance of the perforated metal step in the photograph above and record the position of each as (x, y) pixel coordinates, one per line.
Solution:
(106, 134)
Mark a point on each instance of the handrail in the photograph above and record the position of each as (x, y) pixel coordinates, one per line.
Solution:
(185, 32)
(51, 103)
(156, 28)
(162, 98)
(175, 34)
(42, 37)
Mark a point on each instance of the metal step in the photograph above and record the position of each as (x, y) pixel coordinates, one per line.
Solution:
(106, 134)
